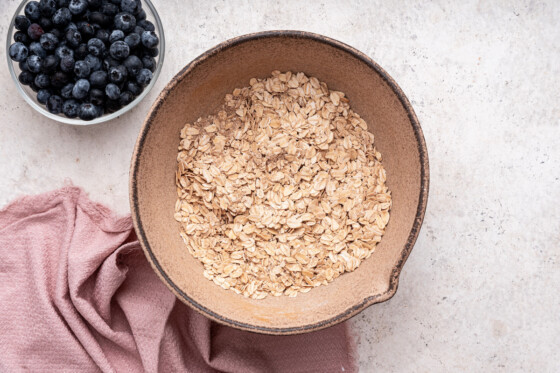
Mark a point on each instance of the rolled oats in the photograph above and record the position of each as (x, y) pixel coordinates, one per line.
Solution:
(281, 190)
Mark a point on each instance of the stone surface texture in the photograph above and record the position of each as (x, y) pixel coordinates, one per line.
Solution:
(481, 289)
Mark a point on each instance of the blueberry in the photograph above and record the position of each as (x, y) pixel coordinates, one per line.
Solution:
(86, 30)
(147, 25)
(141, 15)
(62, 17)
(35, 31)
(119, 50)
(73, 38)
(48, 41)
(89, 111)
(117, 74)
(149, 63)
(133, 65)
(96, 27)
(144, 77)
(62, 3)
(115, 36)
(109, 62)
(99, 18)
(93, 62)
(43, 95)
(26, 77)
(23, 65)
(47, 7)
(34, 87)
(36, 48)
(81, 89)
(112, 91)
(22, 23)
(81, 69)
(150, 39)
(45, 23)
(18, 52)
(81, 52)
(54, 104)
(67, 64)
(132, 39)
(103, 35)
(109, 9)
(32, 11)
(125, 22)
(96, 47)
(96, 97)
(42, 81)
(94, 4)
(59, 79)
(59, 35)
(63, 51)
(133, 88)
(112, 105)
(138, 30)
(34, 63)
(22, 37)
(50, 64)
(126, 98)
(70, 108)
(66, 91)
(152, 52)
(98, 79)
(77, 7)
(71, 26)
(129, 6)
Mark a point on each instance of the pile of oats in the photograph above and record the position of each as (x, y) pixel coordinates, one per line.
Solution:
(282, 190)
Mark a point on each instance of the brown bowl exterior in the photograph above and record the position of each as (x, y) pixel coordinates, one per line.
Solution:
(199, 89)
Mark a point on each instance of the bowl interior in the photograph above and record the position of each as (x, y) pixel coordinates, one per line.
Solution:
(31, 97)
(198, 90)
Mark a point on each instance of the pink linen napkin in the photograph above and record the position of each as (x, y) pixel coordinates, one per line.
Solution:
(78, 295)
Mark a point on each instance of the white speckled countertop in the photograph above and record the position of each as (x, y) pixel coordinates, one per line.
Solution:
(481, 289)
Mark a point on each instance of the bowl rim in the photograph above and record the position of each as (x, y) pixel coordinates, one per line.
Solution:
(420, 211)
(104, 118)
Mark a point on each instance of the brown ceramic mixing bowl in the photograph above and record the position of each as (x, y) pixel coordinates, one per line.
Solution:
(199, 89)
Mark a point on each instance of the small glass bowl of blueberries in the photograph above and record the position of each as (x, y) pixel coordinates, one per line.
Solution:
(85, 61)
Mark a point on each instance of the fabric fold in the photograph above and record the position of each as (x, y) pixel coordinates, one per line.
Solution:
(77, 294)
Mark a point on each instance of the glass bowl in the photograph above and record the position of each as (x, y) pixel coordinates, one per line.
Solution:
(31, 97)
